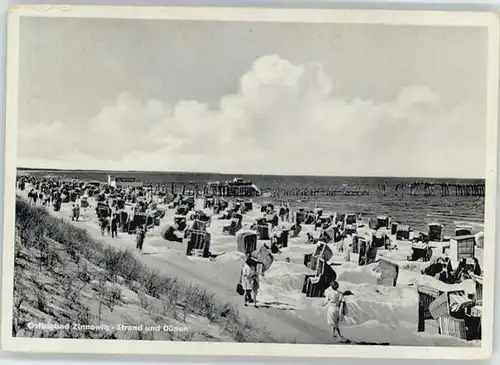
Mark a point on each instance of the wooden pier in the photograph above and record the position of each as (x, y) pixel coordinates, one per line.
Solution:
(356, 191)
(434, 189)
(194, 189)
(416, 189)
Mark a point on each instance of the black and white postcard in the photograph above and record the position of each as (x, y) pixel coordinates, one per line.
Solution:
(239, 181)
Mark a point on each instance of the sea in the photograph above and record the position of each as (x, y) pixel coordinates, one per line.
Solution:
(417, 211)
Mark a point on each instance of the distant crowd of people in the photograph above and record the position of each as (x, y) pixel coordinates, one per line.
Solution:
(53, 192)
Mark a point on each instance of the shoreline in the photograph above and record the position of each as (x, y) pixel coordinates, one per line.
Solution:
(106, 172)
(418, 210)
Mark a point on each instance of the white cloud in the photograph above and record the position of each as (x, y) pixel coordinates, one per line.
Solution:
(285, 118)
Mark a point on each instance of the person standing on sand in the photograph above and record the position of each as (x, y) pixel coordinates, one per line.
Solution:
(141, 234)
(250, 281)
(114, 226)
(346, 249)
(77, 212)
(334, 302)
(108, 224)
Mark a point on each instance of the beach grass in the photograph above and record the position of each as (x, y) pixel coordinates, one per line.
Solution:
(62, 274)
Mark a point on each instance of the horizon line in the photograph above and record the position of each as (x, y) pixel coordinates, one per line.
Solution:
(243, 173)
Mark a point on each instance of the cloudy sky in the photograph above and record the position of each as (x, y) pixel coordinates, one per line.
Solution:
(315, 99)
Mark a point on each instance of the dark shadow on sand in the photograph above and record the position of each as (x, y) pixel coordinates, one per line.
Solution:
(349, 342)
(276, 305)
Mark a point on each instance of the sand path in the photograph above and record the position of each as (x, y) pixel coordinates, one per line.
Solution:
(219, 278)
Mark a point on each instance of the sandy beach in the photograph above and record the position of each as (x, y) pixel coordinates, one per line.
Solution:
(376, 314)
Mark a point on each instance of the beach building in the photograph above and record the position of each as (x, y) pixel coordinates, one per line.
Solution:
(124, 182)
(235, 188)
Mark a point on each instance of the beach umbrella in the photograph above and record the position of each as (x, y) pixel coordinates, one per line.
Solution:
(264, 256)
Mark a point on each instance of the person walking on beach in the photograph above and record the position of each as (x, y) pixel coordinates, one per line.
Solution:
(334, 302)
(30, 197)
(250, 281)
(34, 196)
(114, 226)
(76, 213)
(54, 196)
(57, 204)
(108, 224)
(141, 234)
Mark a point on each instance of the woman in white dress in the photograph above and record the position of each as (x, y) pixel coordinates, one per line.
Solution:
(250, 281)
(346, 249)
(334, 300)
